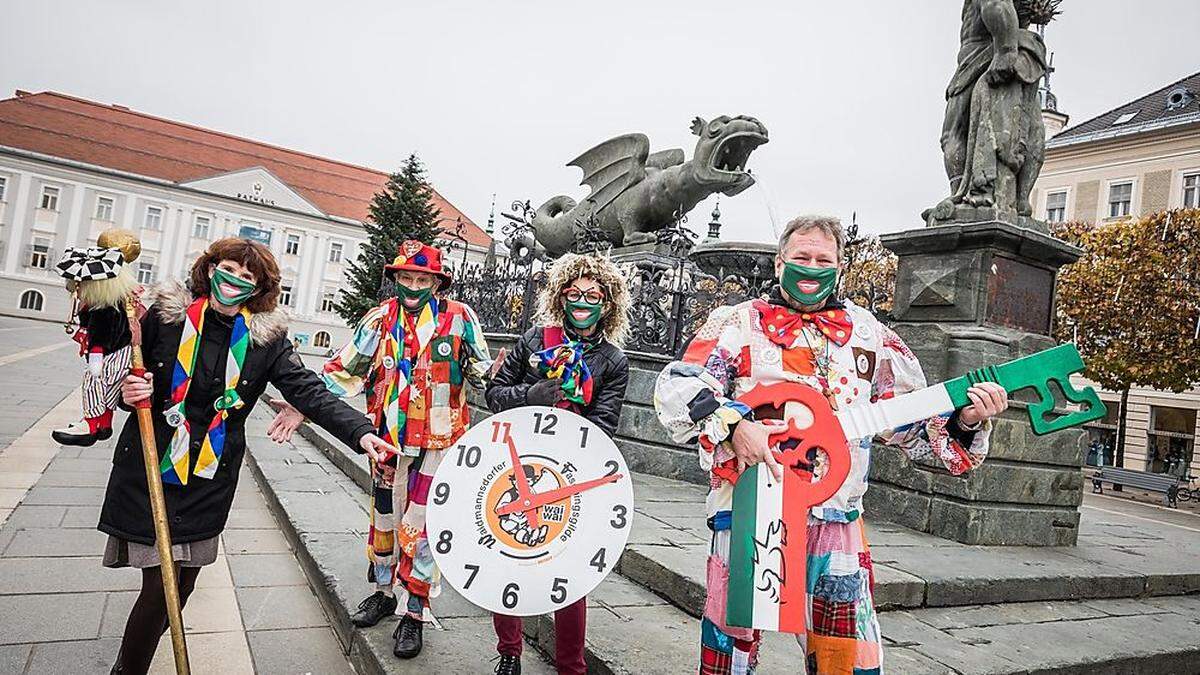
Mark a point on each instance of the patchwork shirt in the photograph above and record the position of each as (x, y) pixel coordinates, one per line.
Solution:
(448, 354)
(695, 397)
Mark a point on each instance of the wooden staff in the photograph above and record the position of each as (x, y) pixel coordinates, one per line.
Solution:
(158, 505)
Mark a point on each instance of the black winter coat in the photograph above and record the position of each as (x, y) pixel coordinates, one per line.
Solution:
(198, 510)
(607, 363)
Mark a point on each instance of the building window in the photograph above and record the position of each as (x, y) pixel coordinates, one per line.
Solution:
(39, 253)
(154, 218)
(321, 340)
(292, 246)
(328, 302)
(285, 294)
(1056, 207)
(201, 227)
(104, 208)
(145, 272)
(1191, 191)
(50, 197)
(3, 187)
(32, 300)
(1120, 199)
(1170, 440)
(335, 252)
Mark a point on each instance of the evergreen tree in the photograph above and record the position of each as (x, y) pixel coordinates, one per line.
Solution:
(402, 210)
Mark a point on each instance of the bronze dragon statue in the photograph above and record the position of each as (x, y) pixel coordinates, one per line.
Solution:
(635, 193)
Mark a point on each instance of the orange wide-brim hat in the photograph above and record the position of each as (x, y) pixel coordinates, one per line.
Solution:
(415, 256)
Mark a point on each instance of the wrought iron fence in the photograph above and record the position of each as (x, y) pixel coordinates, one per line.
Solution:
(671, 298)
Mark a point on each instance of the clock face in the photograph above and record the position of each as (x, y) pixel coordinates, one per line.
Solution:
(502, 546)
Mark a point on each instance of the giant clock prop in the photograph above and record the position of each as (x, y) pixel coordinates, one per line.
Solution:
(768, 541)
(529, 511)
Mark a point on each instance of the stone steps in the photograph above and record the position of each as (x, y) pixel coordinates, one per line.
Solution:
(1049, 610)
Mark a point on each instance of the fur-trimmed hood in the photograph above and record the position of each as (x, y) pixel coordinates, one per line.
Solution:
(171, 298)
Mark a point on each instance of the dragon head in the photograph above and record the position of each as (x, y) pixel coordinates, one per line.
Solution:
(724, 149)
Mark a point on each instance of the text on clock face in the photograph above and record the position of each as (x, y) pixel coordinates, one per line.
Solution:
(539, 500)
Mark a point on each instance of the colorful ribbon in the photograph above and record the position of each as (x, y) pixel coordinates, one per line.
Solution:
(565, 360)
(174, 465)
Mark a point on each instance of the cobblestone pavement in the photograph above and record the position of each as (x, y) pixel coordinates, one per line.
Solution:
(61, 612)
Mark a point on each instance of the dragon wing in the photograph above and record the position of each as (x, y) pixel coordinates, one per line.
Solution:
(612, 167)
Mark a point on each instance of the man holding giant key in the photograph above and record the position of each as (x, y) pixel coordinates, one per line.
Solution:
(802, 334)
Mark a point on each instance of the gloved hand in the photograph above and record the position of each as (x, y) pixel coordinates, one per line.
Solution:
(546, 392)
(95, 362)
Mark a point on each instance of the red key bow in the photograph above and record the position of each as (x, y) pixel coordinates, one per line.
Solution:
(782, 325)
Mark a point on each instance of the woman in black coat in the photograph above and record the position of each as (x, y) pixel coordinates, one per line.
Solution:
(226, 317)
(584, 310)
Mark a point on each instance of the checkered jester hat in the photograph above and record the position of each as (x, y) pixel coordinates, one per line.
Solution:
(90, 264)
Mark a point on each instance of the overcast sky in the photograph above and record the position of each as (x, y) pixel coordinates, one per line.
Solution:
(497, 96)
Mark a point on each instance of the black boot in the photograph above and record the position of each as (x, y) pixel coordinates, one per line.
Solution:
(408, 637)
(509, 665)
(373, 610)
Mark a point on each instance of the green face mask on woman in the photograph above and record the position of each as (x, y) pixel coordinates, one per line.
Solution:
(593, 316)
(421, 295)
(245, 288)
(794, 274)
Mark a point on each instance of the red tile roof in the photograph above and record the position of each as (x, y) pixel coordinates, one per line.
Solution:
(117, 138)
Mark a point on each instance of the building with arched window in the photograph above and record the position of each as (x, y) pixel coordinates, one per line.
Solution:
(321, 340)
(72, 168)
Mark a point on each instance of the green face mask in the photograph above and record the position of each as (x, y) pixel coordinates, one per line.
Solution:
(793, 274)
(592, 317)
(245, 288)
(422, 296)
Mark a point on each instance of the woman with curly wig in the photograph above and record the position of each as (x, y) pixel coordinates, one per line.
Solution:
(583, 313)
(211, 349)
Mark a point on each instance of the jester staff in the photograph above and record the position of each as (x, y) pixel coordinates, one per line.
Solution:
(158, 505)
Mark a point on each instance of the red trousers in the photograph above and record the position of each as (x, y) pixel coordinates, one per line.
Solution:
(570, 625)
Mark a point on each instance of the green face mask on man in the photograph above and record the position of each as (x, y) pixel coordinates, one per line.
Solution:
(220, 276)
(794, 274)
(421, 295)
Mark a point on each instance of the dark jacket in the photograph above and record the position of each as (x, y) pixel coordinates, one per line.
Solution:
(107, 328)
(607, 363)
(199, 509)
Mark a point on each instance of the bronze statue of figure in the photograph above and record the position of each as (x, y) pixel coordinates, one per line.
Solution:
(993, 138)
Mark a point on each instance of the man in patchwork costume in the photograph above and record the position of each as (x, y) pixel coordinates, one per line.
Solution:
(412, 355)
(802, 333)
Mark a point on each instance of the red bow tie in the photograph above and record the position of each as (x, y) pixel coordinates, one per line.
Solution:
(782, 325)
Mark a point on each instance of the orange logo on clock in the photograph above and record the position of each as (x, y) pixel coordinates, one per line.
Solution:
(515, 530)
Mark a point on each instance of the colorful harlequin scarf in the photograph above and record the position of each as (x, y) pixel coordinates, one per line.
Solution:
(404, 336)
(565, 360)
(174, 465)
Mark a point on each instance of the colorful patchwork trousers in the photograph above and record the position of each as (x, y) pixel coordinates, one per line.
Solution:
(843, 629)
(396, 544)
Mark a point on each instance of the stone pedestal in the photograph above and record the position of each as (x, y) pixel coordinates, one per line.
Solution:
(970, 295)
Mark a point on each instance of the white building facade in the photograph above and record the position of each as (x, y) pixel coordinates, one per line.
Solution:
(49, 203)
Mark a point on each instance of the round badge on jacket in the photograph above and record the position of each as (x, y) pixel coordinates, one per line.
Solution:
(537, 499)
(389, 362)
(444, 349)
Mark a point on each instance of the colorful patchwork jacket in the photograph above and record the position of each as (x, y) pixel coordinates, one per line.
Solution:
(695, 397)
(413, 376)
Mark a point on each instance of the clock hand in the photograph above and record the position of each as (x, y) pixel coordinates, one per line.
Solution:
(524, 493)
(556, 495)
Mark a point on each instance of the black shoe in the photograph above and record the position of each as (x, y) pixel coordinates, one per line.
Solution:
(509, 665)
(373, 610)
(408, 637)
(80, 435)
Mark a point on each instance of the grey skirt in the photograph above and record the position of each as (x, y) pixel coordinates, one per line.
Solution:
(121, 553)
